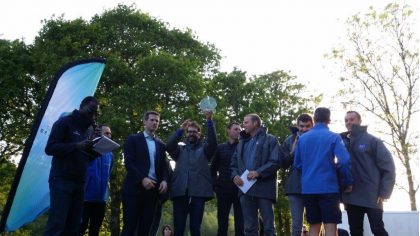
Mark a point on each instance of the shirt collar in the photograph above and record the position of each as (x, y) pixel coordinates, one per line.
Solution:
(147, 136)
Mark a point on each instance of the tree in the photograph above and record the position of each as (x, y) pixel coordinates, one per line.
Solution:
(18, 97)
(149, 67)
(380, 65)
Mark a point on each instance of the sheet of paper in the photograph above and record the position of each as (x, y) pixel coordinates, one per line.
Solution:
(247, 183)
(104, 145)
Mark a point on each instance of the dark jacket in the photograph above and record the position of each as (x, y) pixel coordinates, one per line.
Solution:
(68, 162)
(220, 168)
(98, 172)
(137, 163)
(293, 183)
(373, 169)
(192, 176)
(266, 163)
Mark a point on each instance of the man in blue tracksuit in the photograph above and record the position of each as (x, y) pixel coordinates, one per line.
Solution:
(319, 154)
(96, 190)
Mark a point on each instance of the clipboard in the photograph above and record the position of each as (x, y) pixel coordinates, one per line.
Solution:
(104, 145)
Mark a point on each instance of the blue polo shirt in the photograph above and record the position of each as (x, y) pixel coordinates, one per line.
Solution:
(319, 154)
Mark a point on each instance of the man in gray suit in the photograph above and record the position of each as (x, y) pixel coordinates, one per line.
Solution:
(257, 152)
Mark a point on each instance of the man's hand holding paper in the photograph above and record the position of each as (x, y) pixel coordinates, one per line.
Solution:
(247, 180)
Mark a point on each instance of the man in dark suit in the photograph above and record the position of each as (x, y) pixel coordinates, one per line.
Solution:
(147, 176)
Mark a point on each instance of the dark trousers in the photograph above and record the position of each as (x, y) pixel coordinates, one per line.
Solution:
(66, 205)
(184, 206)
(224, 202)
(93, 215)
(156, 219)
(138, 211)
(356, 215)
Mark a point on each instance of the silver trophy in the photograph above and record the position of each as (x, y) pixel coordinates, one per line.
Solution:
(208, 104)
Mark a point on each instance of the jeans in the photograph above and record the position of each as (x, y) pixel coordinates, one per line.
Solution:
(224, 202)
(356, 215)
(297, 207)
(250, 208)
(93, 215)
(66, 206)
(184, 206)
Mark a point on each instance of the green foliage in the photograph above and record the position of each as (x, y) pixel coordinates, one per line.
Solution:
(18, 96)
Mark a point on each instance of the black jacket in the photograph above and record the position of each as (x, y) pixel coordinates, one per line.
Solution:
(221, 165)
(292, 184)
(68, 162)
(137, 163)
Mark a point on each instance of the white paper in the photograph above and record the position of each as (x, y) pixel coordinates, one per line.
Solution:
(104, 145)
(247, 183)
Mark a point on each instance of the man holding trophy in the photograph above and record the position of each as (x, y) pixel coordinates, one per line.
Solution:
(191, 180)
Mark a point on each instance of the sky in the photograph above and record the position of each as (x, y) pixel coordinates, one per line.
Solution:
(255, 36)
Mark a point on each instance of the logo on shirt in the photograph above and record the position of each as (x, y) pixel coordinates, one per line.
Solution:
(362, 147)
(76, 132)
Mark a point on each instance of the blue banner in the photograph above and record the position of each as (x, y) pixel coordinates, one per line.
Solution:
(29, 196)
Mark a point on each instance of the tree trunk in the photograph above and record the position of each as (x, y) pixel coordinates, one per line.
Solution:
(411, 190)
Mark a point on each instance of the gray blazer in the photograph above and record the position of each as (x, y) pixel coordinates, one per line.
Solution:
(192, 175)
(266, 163)
(373, 169)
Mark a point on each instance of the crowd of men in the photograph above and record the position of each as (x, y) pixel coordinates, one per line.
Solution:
(324, 169)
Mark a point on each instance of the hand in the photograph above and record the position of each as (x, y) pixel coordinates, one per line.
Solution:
(185, 125)
(238, 181)
(163, 187)
(380, 200)
(208, 114)
(348, 189)
(253, 175)
(148, 183)
(84, 145)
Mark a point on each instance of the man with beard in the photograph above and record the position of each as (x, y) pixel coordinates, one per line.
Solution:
(191, 184)
(226, 190)
(258, 153)
(374, 177)
(70, 145)
(292, 186)
(147, 176)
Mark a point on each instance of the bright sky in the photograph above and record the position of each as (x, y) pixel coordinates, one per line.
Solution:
(255, 36)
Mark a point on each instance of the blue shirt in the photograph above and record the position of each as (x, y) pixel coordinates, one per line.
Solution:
(319, 153)
(249, 153)
(151, 145)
